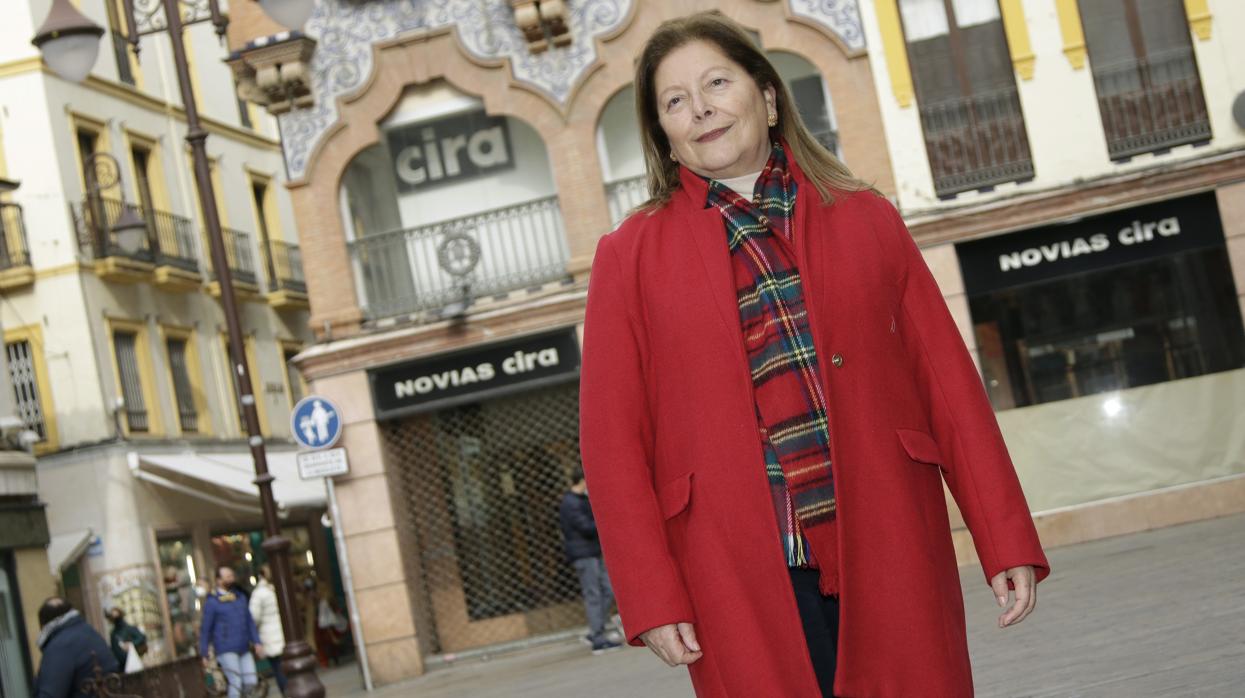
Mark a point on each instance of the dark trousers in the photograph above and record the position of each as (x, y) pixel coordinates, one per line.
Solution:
(598, 594)
(277, 673)
(820, 617)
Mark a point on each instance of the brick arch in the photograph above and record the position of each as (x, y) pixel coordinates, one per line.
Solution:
(847, 75)
(408, 61)
(569, 131)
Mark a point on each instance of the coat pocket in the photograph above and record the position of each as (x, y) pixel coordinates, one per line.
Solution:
(673, 495)
(921, 447)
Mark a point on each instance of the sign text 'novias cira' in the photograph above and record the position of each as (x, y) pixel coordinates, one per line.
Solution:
(475, 374)
(1090, 244)
(453, 149)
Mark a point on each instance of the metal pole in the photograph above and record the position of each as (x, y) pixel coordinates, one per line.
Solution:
(297, 661)
(343, 560)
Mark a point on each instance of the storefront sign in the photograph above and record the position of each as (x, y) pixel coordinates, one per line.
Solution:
(327, 463)
(1121, 237)
(476, 374)
(456, 148)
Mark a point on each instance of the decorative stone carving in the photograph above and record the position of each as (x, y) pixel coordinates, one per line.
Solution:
(527, 17)
(274, 72)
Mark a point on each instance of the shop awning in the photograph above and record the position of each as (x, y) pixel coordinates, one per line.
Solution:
(227, 478)
(65, 548)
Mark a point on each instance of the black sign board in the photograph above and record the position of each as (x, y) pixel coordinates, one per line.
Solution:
(1121, 237)
(474, 374)
(459, 147)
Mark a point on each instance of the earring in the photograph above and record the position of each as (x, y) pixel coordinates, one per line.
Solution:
(773, 120)
(673, 157)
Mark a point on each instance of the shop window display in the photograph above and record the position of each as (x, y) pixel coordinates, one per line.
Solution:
(1130, 299)
(181, 580)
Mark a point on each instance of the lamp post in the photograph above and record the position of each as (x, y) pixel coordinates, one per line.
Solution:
(102, 172)
(63, 39)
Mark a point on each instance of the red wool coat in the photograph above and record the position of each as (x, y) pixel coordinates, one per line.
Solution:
(674, 464)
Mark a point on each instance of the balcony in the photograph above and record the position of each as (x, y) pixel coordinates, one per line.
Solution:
(166, 255)
(624, 195)
(1151, 104)
(15, 269)
(287, 288)
(976, 142)
(241, 265)
(404, 271)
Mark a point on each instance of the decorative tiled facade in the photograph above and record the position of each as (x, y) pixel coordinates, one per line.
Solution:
(346, 32)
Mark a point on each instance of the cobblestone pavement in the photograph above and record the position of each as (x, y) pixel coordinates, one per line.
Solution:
(1158, 613)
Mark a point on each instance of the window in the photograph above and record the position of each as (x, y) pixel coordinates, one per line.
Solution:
(135, 378)
(125, 344)
(183, 389)
(127, 67)
(1146, 297)
(88, 144)
(244, 114)
(293, 379)
(1146, 76)
(256, 385)
(970, 110)
(24, 373)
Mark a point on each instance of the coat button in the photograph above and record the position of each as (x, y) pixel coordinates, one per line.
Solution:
(837, 360)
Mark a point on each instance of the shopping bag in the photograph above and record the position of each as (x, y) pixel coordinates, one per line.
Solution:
(132, 661)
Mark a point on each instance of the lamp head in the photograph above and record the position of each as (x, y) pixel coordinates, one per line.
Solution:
(68, 41)
(292, 14)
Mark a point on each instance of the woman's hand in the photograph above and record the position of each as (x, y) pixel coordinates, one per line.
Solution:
(675, 644)
(1026, 593)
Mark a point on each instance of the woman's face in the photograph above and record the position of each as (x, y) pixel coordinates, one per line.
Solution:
(713, 113)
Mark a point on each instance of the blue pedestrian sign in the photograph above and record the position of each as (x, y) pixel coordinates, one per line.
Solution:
(316, 422)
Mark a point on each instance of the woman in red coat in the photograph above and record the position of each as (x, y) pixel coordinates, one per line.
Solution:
(773, 392)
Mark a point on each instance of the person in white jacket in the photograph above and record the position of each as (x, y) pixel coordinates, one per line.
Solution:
(267, 615)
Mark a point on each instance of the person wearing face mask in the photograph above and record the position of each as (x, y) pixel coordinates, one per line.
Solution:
(772, 393)
(229, 631)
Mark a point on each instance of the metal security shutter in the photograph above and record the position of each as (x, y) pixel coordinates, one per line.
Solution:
(125, 345)
(477, 493)
(25, 386)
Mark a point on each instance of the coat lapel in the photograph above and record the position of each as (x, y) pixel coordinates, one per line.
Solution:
(709, 232)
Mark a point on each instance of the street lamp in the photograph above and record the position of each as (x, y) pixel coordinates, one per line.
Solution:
(292, 13)
(69, 43)
(102, 172)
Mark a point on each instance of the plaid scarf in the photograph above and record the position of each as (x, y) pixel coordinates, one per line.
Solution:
(790, 407)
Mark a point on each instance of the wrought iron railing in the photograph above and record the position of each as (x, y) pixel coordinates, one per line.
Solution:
(285, 267)
(624, 195)
(976, 142)
(169, 240)
(14, 250)
(238, 256)
(518, 246)
(1151, 104)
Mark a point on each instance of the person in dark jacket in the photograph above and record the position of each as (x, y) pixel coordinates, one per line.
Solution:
(123, 635)
(72, 651)
(583, 550)
(229, 630)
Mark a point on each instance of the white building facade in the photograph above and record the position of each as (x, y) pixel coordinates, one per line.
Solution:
(117, 352)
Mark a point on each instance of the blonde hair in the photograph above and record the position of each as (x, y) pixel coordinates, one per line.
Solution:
(823, 169)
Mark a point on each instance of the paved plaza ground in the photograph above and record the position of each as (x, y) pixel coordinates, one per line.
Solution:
(1158, 613)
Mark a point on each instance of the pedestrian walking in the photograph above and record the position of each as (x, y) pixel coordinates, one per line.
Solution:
(125, 637)
(266, 613)
(771, 387)
(229, 631)
(583, 550)
(73, 653)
